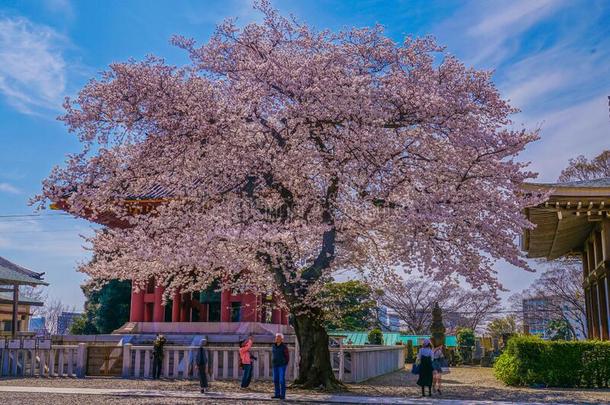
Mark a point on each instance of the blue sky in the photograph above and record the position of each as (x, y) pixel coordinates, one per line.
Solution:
(551, 58)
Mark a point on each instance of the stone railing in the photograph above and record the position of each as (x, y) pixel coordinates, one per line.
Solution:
(179, 362)
(31, 358)
(353, 364)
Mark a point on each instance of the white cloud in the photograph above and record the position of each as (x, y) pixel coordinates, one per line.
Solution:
(530, 90)
(514, 18)
(32, 66)
(486, 33)
(552, 62)
(9, 188)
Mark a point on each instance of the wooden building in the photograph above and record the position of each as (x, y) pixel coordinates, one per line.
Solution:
(575, 220)
(15, 310)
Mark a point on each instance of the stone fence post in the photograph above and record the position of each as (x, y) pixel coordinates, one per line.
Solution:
(81, 360)
(126, 360)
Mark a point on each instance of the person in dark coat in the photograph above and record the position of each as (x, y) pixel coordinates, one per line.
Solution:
(158, 345)
(424, 359)
(202, 365)
(280, 357)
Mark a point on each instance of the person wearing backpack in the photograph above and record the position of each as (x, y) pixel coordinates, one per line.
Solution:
(202, 365)
(424, 362)
(158, 345)
(280, 358)
(245, 360)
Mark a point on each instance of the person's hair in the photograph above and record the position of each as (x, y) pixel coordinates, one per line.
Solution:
(243, 342)
(280, 335)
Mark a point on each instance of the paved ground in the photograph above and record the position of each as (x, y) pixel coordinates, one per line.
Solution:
(473, 385)
(61, 395)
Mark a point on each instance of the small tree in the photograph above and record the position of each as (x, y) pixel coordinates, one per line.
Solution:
(376, 337)
(107, 308)
(559, 329)
(83, 326)
(465, 340)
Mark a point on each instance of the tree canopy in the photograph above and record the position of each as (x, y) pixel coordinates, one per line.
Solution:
(503, 326)
(581, 168)
(349, 305)
(106, 308)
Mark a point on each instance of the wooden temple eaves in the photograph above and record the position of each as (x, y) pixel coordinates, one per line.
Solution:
(565, 220)
(575, 219)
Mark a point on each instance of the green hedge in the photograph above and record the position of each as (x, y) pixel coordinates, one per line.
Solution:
(530, 360)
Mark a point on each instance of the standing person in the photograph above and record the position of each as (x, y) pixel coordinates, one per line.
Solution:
(424, 359)
(246, 362)
(158, 344)
(280, 358)
(438, 362)
(202, 365)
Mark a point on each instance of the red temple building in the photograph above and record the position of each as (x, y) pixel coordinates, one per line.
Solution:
(205, 306)
(211, 305)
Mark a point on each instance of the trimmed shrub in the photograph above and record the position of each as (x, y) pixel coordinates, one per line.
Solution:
(376, 337)
(529, 360)
(465, 339)
(410, 358)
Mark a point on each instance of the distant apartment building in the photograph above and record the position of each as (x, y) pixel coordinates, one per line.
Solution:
(38, 325)
(388, 318)
(538, 312)
(65, 320)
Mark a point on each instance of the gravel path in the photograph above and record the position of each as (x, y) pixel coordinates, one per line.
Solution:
(478, 383)
(465, 383)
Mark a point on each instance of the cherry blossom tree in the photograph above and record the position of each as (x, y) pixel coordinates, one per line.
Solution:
(582, 168)
(282, 154)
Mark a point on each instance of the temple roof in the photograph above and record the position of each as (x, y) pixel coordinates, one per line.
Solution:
(566, 219)
(11, 273)
(603, 182)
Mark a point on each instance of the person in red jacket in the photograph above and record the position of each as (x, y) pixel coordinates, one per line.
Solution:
(246, 362)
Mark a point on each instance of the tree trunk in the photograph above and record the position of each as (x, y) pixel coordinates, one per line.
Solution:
(315, 370)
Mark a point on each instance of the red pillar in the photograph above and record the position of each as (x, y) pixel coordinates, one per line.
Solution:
(225, 306)
(203, 313)
(176, 308)
(159, 309)
(185, 306)
(284, 317)
(136, 311)
(250, 308)
(276, 315)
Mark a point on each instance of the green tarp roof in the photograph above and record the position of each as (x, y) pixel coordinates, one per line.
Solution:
(389, 338)
(11, 273)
